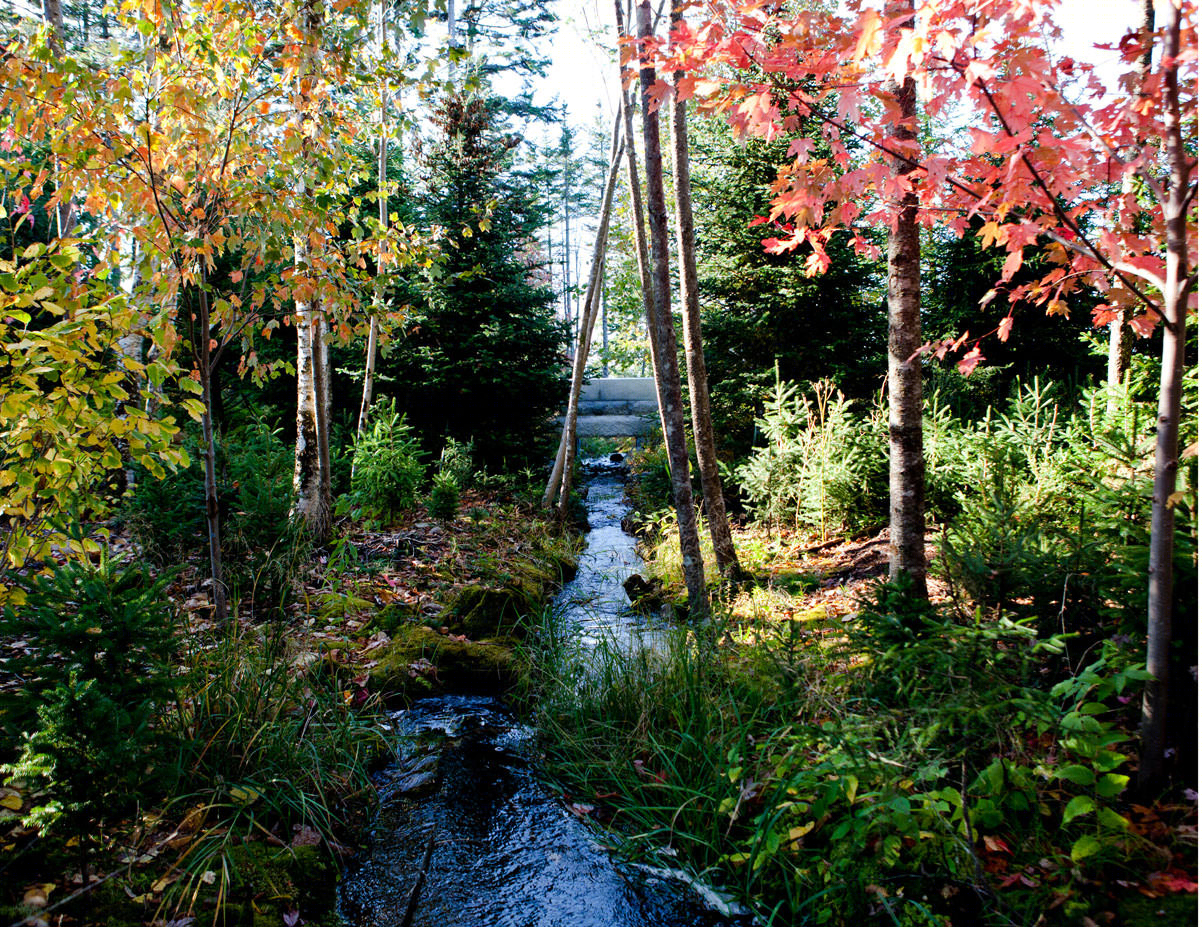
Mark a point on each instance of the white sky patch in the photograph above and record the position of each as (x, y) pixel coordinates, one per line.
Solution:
(584, 74)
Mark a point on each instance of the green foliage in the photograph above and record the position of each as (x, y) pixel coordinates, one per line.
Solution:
(267, 746)
(1045, 344)
(263, 549)
(961, 681)
(445, 496)
(763, 310)
(456, 461)
(1054, 521)
(823, 466)
(888, 793)
(95, 672)
(481, 355)
(388, 464)
(72, 400)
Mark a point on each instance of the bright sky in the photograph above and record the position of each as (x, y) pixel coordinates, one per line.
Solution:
(583, 74)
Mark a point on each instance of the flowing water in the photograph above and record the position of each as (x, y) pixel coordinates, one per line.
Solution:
(469, 835)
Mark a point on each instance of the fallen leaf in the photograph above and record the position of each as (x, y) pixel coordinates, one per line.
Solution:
(996, 844)
(38, 896)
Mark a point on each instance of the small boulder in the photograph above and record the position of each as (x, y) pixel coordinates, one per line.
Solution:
(644, 594)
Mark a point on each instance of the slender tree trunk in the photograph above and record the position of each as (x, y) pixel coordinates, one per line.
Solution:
(696, 367)
(212, 510)
(570, 422)
(568, 436)
(1152, 773)
(637, 211)
(665, 357)
(605, 330)
(311, 473)
(382, 195)
(904, 339)
(1120, 333)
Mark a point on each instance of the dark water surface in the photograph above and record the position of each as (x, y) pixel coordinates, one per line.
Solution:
(469, 836)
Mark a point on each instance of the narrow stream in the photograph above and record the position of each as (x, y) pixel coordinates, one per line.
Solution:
(468, 835)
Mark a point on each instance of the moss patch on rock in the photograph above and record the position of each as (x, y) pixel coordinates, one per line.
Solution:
(420, 661)
(510, 590)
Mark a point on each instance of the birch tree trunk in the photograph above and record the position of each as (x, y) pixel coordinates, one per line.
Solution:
(311, 472)
(665, 357)
(382, 195)
(904, 339)
(1180, 192)
(568, 436)
(696, 368)
(212, 509)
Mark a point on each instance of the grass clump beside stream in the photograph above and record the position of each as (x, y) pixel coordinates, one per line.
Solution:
(895, 767)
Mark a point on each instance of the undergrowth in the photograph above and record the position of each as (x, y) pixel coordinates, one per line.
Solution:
(961, 763)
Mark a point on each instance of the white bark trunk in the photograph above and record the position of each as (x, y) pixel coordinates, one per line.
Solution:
(568, 436)
(311, 473)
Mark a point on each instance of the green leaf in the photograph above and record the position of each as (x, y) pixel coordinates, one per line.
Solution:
(1111, 785)
(1084, 847)
(1107, 760)
(1110, 818)
(1076, 773)
(1079, 805)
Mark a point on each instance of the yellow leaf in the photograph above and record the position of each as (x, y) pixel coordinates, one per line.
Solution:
(11, 802)
(244, 796)
(798, 833)
(37, 896)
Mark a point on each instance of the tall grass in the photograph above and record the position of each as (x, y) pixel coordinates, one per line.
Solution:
(269, 749)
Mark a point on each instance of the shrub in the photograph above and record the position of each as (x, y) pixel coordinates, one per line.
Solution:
(823, 466)
(388, 464)
(262, 549)
(445, 496)
(95, 674)
(456, 462)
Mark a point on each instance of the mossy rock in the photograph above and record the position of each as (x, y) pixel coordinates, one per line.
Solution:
(278, 880)
(450, 664)
(393, 616)
(488, 611)
(510, 592)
